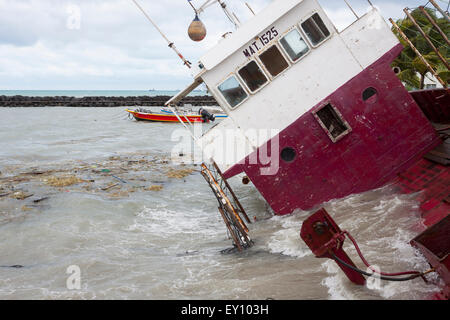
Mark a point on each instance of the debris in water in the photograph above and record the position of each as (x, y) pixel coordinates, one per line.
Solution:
(20, 195)
(63, 181)
(188, 253)
(117, 178)
(179, 174)
(34, 173)
(25, 208)
(41, 199)
(121, 194)
(110, 186)
(154, 188)
(110, 177)
(14, 267)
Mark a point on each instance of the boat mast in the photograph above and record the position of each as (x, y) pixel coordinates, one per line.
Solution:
(230, 15)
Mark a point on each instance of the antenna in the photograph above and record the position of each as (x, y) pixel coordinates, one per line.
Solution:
(230, 15)
(250, 8)
(193, 7)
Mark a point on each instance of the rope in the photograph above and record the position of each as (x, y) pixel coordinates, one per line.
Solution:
(370, 267)
(381, 277)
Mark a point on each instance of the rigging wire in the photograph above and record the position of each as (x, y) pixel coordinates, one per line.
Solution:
(422, 25)
(405, 18)
(418, 33)
(171, 44)
(358, 250)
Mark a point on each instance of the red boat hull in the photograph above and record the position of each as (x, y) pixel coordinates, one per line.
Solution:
(159, 117)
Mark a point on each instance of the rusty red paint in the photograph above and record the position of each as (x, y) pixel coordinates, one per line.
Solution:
(433, 181)
(434, 103)
(434, 243)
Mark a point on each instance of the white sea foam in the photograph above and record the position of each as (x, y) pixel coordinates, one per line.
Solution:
(336, 282)
(287, 240)
(383, 233)
(167, 223)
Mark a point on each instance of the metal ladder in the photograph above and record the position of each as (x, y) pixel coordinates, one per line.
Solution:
(230, 208)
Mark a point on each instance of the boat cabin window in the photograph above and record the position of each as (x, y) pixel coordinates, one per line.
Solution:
(253, 76)
(274, 61)
(295, 45)
(315, 29)
(232, 91)
(333, 123)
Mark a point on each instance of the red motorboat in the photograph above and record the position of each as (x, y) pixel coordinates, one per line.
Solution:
(148, 115)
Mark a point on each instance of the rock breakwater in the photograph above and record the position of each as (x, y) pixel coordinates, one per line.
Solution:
(63, 101)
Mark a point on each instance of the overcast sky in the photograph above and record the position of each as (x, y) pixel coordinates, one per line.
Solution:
(108, 44)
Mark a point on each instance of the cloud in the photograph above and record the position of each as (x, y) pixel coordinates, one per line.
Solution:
(108, 44)
(113, 44)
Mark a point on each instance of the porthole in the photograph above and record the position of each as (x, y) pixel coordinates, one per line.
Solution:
(288, 154)
(370, 95)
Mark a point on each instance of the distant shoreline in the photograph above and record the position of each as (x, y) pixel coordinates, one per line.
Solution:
(96, 93)
(101, 101)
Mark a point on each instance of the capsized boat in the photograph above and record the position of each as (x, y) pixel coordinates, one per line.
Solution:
(148, 115)
(337, 121)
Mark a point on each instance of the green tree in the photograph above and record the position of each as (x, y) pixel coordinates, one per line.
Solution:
(413, 70)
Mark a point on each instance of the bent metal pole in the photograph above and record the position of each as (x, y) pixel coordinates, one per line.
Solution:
(171, 44)
(435, 25)
(435, 49)
(425, 62)
(445, 14)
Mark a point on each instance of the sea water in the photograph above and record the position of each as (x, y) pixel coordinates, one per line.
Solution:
(167, 244)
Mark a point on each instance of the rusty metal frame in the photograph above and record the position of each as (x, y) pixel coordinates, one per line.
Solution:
(430, 68)
(229, 209)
